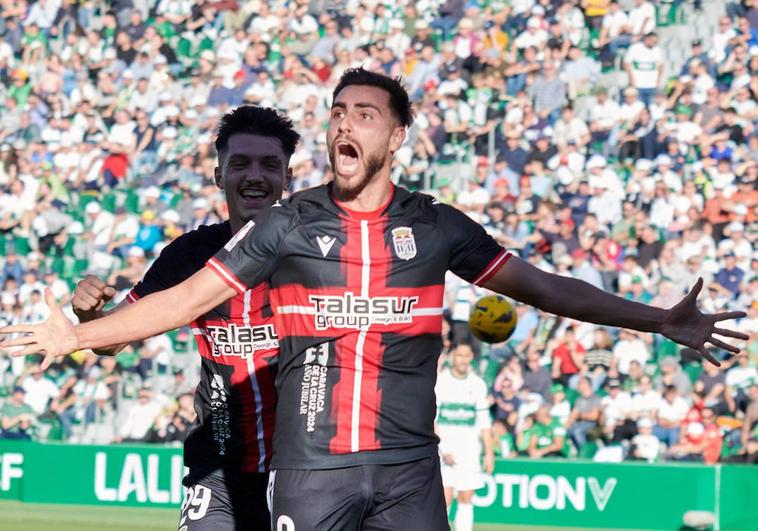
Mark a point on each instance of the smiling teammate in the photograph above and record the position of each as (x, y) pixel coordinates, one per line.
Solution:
(357, 272)
(228, 451)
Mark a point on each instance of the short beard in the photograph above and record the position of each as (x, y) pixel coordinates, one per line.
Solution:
(372, 167)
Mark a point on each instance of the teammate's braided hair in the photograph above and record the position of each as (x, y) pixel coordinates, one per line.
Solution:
(399, 101)
(255, 120)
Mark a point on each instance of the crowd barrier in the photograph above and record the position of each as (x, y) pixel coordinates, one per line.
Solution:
(576, 494)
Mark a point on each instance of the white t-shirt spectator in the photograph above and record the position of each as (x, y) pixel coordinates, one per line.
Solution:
(646, 404)
(605, 115)
(121, 134)
(642, 19)
(140, 419)
(102, 228)
(674, 411)
(627, 350)
(616, 409)
(264, 25)
(739, 377)
(647, 445)
(644, 63)
(615, 22)
(39, 392)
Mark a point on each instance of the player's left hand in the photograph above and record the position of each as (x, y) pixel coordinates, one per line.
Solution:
(55, 337)
(489, 462)
(686, 325)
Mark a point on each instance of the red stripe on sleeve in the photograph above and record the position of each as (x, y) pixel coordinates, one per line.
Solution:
(229, 278)
(493, 267)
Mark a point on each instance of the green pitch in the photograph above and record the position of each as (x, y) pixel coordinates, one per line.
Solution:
(17, 516)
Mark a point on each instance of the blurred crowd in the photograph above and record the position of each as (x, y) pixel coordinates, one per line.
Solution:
(568, 129)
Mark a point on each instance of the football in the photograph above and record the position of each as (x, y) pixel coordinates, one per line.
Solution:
(492, 319)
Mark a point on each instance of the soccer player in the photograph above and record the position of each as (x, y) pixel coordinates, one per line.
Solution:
(463, 419)
(357, 272)
(228, 451)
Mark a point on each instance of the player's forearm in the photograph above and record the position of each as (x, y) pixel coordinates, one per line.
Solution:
(573, 298)
(156, 313)
(85, 317)
(582, 301)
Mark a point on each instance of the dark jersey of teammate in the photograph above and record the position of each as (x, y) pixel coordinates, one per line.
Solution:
(357, 299)
(235, 400)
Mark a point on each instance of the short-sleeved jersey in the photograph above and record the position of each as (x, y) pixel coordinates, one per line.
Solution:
(357, 298)
(462, 413)
(235, 400)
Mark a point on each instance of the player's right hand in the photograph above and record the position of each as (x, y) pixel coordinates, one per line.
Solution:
(448, 459)
(54, 337)
(90, 295)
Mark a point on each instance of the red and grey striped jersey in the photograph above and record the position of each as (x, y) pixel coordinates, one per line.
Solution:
(357, 299)
(235, 400)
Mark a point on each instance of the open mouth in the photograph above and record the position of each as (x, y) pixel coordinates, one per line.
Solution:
(253, 194)
(347, 158)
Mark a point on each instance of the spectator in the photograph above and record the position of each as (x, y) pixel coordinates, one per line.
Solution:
(671, 412)
(585, 414)
(643, 63)
(548, 435)
(701, 442)
(39, 390)
(17, 418)
(618, 423)
(140, 418)
(645, 445)
(568, 357)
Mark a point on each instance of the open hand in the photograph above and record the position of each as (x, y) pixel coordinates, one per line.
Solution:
(55, 337)
(686, 325)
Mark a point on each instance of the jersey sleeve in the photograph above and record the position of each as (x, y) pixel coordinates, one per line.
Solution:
(165, 272)
(474, 255)
(252, 255)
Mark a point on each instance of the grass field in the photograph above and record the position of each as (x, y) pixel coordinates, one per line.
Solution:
(17, 516)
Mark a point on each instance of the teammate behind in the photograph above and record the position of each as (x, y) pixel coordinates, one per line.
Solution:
(463, 419)
(357, 273)
(228, 451)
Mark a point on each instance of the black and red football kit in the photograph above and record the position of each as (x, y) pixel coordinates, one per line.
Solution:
(357, 299)
(228, 450)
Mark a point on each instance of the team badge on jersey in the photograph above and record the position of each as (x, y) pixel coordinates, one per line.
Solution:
(405, 244)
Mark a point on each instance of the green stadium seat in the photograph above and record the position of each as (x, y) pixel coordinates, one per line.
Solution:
(588, 450)
(21, 245)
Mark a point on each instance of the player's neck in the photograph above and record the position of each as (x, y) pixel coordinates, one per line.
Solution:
(374, 196)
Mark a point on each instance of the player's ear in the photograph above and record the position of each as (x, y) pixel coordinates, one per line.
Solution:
(287, 179)
(397, 138)
(217, 178)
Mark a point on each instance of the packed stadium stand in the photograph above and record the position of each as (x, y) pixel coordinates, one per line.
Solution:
(611, 141)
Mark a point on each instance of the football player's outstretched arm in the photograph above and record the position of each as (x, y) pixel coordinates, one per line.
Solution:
(154, 314)
(570, 297)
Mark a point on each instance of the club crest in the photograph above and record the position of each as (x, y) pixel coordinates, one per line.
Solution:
(405, 244)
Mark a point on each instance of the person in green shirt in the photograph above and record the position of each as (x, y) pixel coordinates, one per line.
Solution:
(547, 435)
(16, 417)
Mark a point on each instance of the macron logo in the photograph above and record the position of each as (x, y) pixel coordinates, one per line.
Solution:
(325, 243)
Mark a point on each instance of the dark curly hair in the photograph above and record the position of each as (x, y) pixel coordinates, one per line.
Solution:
(255, 120)
(399, 101)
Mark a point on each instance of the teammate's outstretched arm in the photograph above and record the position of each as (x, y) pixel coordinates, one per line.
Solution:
(570, 297)
(154, 314)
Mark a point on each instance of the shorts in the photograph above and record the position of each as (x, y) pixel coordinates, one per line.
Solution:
(365, 497)
(462, 477)
(218, 500)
